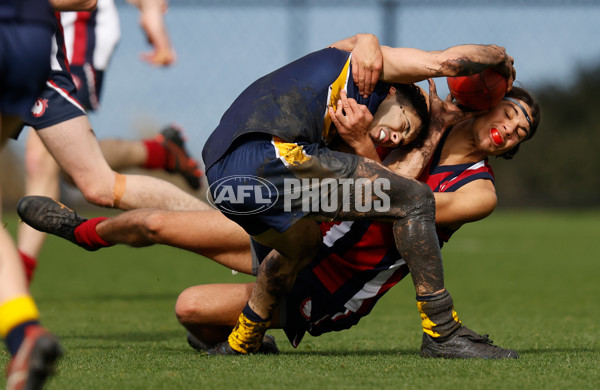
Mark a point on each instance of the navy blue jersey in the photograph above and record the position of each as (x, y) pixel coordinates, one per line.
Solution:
(292, 103)
(27, 11)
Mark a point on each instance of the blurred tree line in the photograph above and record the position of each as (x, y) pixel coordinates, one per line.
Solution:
(559, 166)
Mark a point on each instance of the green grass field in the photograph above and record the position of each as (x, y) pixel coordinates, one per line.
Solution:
(530, 279)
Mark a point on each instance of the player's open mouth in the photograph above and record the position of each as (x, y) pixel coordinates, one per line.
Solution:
(382, 136)
(496, 137)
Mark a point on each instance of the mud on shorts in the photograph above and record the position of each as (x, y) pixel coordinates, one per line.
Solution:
(261, 182)
(309, 307)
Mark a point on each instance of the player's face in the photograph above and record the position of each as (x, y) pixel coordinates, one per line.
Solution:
(502, 128)
(394, 124)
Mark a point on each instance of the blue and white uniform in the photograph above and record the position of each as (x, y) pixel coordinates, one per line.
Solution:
(279, 128)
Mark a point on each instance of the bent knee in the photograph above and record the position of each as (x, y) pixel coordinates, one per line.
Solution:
(97, 195)
(97, 190)
(418, 199)
(185, 309)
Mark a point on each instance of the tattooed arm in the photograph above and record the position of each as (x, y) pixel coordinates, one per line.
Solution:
(407, 65)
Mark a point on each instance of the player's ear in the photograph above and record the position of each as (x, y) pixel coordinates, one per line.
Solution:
(392, 91)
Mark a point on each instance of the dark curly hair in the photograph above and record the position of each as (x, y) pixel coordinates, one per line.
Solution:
(415, 95)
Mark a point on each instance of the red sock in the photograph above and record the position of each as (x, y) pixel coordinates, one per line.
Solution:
(157, 155)
(85, 234)
(29, 263)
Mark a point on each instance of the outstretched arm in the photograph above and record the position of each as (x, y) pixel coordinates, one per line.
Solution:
(152, 22)
(470, 203)
(73, 5)
(408, 65)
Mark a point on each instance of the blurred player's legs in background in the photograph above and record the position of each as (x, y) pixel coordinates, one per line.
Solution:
(90, 39)
(25, 42)
(166, 152)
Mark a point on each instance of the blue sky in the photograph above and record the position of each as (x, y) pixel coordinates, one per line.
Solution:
(221, 50)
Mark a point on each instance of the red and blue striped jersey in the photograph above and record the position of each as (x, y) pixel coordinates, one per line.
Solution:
(358, 261)
(91, 37)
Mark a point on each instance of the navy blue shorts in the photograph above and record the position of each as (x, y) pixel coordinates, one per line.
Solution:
(56, 103)
(24, 65)
(89, 85)
(251, 183)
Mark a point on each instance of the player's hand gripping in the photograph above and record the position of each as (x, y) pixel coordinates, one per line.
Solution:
(353, 122)
(504, 63)
(444, 114)
(367, 63)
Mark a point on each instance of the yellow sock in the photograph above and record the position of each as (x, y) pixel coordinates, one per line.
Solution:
(247, 335)
(438, 317)
(429, 326)
(15, 312)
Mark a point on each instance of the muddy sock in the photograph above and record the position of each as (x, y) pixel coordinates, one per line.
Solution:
(438, 317)
(248, 333)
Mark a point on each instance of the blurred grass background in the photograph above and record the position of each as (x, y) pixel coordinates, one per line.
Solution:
(530, 279)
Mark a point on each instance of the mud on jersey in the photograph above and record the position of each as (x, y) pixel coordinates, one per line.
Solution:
(291, 103)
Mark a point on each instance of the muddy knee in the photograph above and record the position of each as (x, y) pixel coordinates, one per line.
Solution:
(412, 200)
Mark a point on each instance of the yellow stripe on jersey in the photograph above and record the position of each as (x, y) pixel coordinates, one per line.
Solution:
(335, 90)
(15, 312)
(289, 153)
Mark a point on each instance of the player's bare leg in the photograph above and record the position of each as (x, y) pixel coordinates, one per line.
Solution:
(75, 148)
(34, 351)
(209, 312)
(294, 249)
(166, 151)
(208, 233)
(121, 154)
(41, 178)
(412, 206)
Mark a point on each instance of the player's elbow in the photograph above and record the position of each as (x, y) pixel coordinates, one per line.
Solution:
(73, 5)
(152, 226)
(90, 5)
